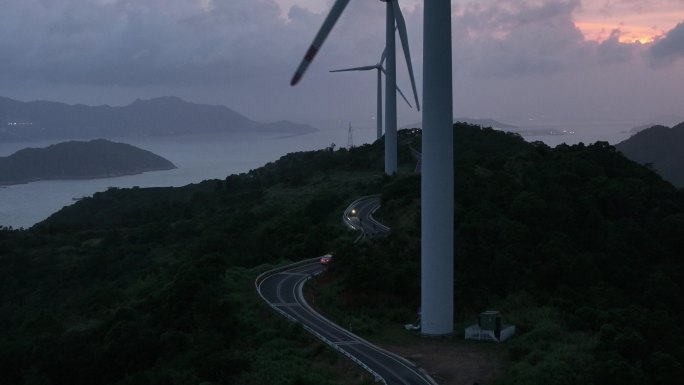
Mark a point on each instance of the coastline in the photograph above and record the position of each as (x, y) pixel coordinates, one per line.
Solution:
(6, 184)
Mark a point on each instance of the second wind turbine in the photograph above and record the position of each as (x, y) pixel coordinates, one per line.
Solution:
(380, 70)
(393, 18)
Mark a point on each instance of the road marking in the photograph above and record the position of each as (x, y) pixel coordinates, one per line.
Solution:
(287, 304)
(347, 343)
(295, 274)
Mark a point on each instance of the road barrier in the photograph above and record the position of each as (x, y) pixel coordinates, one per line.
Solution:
(347, 220)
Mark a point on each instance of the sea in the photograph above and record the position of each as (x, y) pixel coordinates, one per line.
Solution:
(199, 158)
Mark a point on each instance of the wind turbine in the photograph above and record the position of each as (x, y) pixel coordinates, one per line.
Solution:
(393, 18)
(394, 15)
(379, 68)
(437, 177)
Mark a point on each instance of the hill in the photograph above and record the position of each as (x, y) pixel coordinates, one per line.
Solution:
(164, 116)
(576, 245)
(78, 160)
(661, 147)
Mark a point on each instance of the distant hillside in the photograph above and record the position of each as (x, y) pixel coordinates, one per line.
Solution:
(78, 160)
(488, 122)
(163, 116)
(660, 120)
(660, 146)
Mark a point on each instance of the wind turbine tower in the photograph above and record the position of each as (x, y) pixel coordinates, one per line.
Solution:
(390, 95)
(437, 177)
(393, 18)
(437, 173)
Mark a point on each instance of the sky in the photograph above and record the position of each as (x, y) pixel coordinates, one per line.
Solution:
(525, 59)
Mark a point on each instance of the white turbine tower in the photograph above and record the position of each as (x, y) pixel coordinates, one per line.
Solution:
(394, 15)
(437, 177)
(380, 70)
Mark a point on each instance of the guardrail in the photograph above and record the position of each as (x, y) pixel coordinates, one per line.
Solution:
(262, 276)
(347, 220)
(378, 224)
(345, 217)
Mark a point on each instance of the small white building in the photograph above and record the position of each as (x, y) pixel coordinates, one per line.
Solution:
(489, 327)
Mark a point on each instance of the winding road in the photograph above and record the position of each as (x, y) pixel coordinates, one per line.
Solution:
(282, 290)
(359, 216)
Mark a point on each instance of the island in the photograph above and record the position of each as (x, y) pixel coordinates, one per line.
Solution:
(99, 158)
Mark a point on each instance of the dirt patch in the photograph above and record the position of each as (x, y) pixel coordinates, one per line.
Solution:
(449, 361)
(454, 364)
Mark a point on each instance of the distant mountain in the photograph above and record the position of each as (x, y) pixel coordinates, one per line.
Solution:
(525, 132)
(662, 147)
(660, 120)
(78, 160)
(482, 122)
(165, 116)
(487, 122)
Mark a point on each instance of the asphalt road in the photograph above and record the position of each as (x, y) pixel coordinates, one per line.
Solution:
(282, 289)
(359, 216)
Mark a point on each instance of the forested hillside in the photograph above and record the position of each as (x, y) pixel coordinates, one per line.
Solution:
(155, 286)
(578, 246)
(661, 147)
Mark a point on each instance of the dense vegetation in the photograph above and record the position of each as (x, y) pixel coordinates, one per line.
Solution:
(155, 286)
(661, 147)
(578, 246)
(78, 160)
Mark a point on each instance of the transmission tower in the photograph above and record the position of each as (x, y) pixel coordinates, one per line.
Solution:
(350, 137)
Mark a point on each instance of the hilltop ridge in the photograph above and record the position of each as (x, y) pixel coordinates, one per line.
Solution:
(661, 147)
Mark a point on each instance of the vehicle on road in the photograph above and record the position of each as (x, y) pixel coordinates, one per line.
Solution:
(326, 259)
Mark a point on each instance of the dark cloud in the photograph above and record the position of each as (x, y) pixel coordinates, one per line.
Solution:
(242, 53)
(501, 39)
(612, 51)
(130, 42)
(668, 48)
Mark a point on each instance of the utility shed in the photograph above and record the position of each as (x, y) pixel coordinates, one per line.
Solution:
(489, 327)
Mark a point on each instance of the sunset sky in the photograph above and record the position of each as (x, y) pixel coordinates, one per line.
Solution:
(560, 59)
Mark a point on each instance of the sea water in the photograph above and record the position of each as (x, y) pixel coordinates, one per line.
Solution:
(199, 158)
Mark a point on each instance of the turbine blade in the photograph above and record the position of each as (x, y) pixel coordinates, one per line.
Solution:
(401, 26)
(400, 93)
(327, 26)
(364, 68)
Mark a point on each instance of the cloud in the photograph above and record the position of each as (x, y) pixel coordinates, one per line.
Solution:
(128, 42)
(502, 38)
(242, 53)
(612, 50)
(668, 48)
